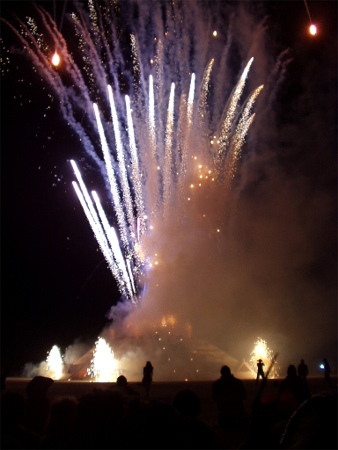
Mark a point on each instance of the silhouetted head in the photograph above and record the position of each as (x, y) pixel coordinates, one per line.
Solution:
(225, 371)
(292, 371)
(121, 380)
(259, 360)
(187, 402)
(302, 361)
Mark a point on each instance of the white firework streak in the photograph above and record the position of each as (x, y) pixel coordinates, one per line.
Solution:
(111, 235)
(112, 180)
(241, 131)
(167, 178)
(136, 177)
(152, 185)
(205, 90)
(100, 238)
(191, 99)
(230, 115)
(131, 277)
(187, 126)
(152, 115)
(121, 262)
(122, 165)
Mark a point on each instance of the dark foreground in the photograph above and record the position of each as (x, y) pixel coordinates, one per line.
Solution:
(164, 393)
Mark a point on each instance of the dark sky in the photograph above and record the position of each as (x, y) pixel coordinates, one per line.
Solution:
(55, 284)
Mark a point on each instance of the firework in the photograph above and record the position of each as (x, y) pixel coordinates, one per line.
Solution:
(103, 366)
(146, 150)
(162, 117)
(263, 352)
(54, 363)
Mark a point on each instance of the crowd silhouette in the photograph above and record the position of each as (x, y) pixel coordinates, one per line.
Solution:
(118, 416)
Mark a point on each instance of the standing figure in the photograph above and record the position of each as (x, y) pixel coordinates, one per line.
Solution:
(147, 376)
(260, 371)
(327, 371)
(229, 394)
(293, 391)
(303, 370)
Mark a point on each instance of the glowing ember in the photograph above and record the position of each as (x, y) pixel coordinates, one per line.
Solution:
(103, 366)
(55, 59)
(313, 29)
(54, 363)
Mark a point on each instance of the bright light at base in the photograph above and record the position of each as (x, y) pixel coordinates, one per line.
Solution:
(54, 364)
(262, 351)
(103, 365)
(313, 29)
(55, 59)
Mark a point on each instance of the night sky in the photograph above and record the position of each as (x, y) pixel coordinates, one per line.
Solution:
(56, 288)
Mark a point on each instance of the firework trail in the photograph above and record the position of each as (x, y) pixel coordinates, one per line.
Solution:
(135, 84)
(147, 147)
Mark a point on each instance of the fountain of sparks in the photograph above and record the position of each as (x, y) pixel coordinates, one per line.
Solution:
(54, 364)
(103, 367)
(149, 110)
(263, 352)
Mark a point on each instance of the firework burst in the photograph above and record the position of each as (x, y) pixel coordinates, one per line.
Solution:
(145, 144)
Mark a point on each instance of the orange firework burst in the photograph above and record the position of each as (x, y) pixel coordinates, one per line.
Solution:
(263, 352)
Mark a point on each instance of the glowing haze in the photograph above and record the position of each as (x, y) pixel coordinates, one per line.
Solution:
(165, 99)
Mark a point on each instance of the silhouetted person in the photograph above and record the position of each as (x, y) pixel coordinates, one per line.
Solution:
(229, 393)
(313, 425)
(14, 433)
(293, 391)
(99, 420)
(60, 431)
(327, 371)
(38, 403)
(192, 431)
(260, 370)
(123, 387)
(303, 370)
(147, 376)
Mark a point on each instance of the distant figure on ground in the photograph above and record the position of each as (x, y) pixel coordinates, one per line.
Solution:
(260, 371)
(229, 394)
(147, 376)
(303, 370)
(327, 371)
